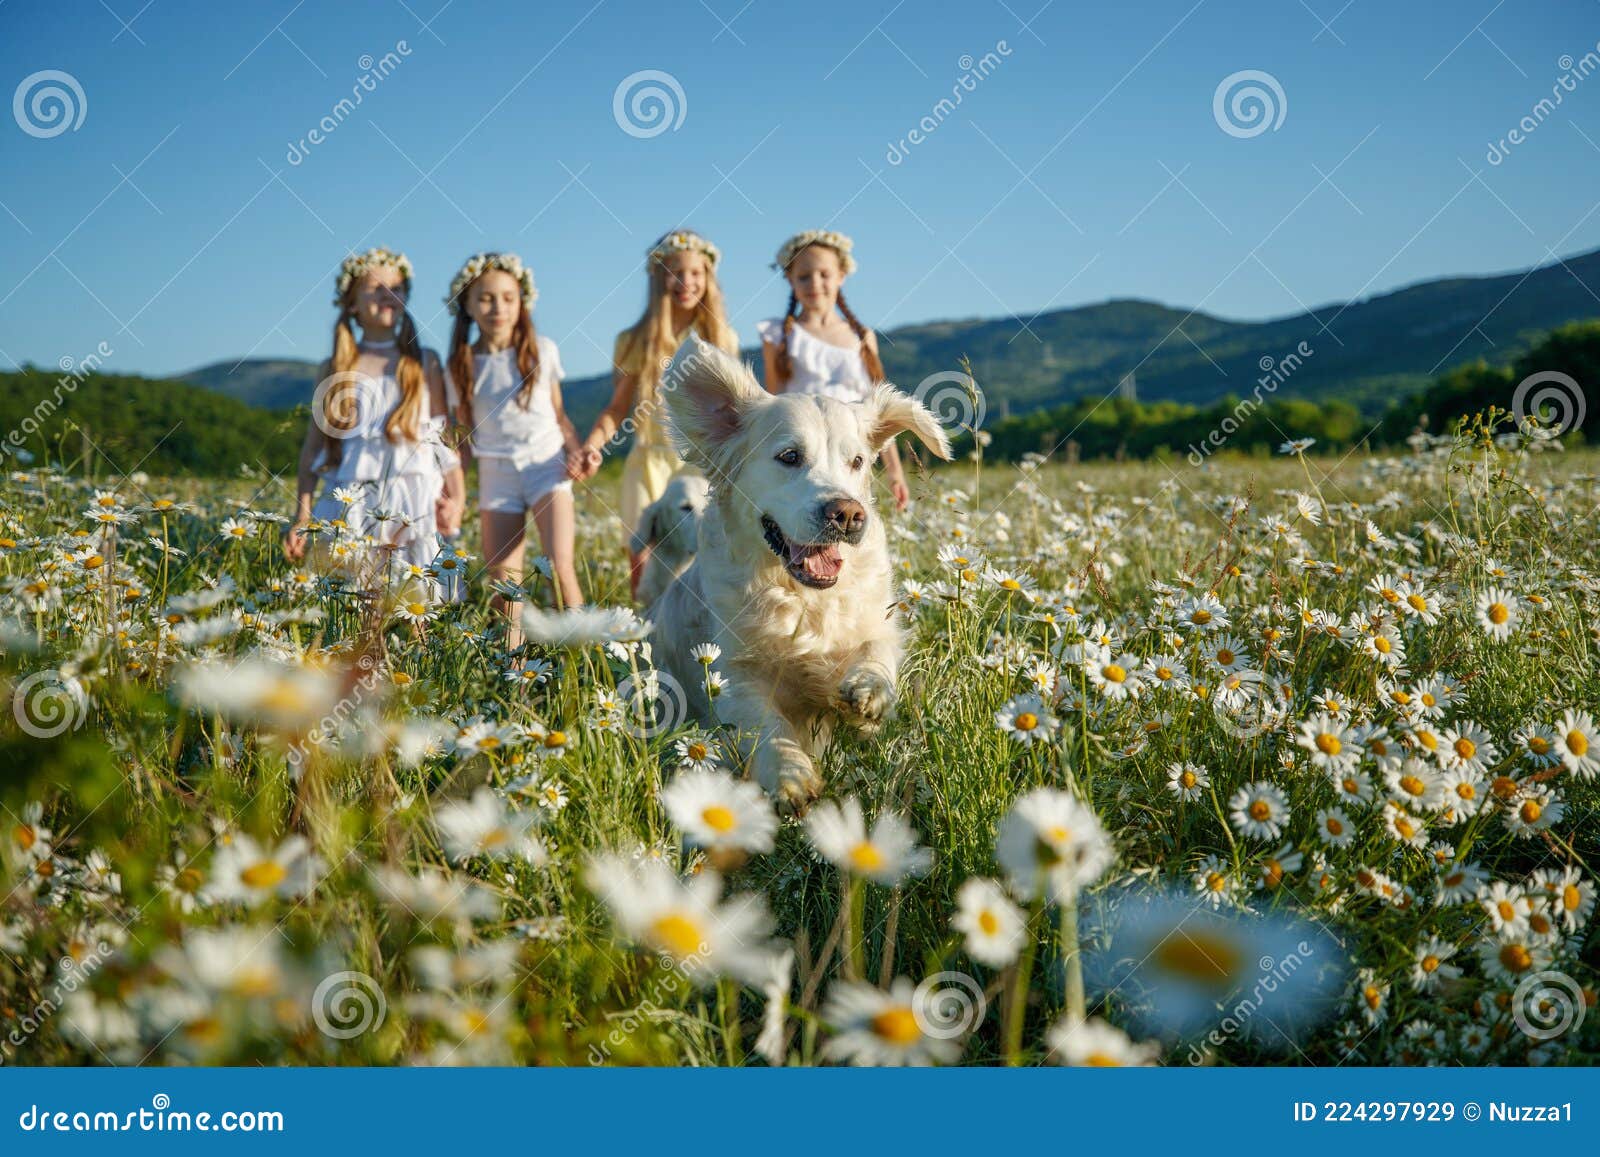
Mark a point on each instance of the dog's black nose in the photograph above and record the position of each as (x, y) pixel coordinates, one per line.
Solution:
(845, 517)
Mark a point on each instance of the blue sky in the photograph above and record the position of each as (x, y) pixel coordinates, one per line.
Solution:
(1088, 164)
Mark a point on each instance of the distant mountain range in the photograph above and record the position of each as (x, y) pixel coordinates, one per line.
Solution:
(1366, 352)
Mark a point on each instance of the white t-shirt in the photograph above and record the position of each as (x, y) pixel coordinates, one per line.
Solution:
(502, 427)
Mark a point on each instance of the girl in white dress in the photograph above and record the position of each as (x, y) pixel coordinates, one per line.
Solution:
(377, 419)
(818, 346)
(505, 388)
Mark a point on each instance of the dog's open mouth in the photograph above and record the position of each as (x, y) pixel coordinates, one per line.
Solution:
(814, 564)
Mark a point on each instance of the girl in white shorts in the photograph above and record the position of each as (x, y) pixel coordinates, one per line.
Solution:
(505, 388)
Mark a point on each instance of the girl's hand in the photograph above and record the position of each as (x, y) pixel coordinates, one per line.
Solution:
(902, 493)
(447, 513)
(294, 542)
(577, 462)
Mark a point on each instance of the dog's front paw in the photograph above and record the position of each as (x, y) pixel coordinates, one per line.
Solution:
(866, 694)
(792, 782)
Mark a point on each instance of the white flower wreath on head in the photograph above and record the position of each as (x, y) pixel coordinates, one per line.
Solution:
(482, 263)
(684, 241)
(838, 242)
(357, 264)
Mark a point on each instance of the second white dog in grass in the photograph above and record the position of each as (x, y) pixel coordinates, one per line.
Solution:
(791, 578)
(668, 528)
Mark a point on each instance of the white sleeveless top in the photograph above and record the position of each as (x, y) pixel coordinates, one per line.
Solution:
(820, 367)
(367, 455)
(502, 426)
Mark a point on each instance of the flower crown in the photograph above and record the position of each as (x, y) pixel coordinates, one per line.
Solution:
(838, 242)
(684, 241)
(482, 263)
(357, 264)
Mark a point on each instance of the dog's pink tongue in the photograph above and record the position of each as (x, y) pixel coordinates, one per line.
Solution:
(824, 562)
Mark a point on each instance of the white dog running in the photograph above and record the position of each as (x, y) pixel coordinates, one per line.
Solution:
(669, 527)
(791, 578)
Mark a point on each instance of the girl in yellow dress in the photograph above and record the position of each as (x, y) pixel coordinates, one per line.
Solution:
(683, 297)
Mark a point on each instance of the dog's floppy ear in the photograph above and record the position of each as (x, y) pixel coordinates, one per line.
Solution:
(890, 412)
(709, 398)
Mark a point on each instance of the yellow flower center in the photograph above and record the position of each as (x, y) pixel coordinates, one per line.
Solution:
(1260, 810)
(696, 751)
(1465, 748)
(678, 934)
(1329, 744)
(718, 818)
(1516, 958)
(25, 836)
(1200, 617)
(1373, 995)
(1571, 898)
(1578, 743)
(1498, 614)
(1335, 828)
(1382, 645)
(1539, 745)
(1114, 673)
(1417, 602)
(1188, 779)
(1466, 791)
(1508, 910)
(1225, 656)
(1430, 963)
(266, 874)
(865, 857)
(1026, 721)
(988, 924)
(1411, 785)
(1530, 811)
(1163, 673)
(898, 1026)
(556, 739)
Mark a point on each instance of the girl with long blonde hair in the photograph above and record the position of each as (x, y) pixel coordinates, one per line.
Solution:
(377, 418)
(505, 387)
(683, 298)
(819, 346)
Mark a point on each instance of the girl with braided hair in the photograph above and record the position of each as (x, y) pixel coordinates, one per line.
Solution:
(819, 346)
(377, 419)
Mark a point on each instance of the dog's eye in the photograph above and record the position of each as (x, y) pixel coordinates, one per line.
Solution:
(789, 457)
(857, 462)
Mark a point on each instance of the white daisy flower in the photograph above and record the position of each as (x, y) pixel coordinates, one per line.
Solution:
(887, 855)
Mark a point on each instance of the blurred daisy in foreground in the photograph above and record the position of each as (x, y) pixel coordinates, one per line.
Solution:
(1095, 1044)
(1052, 845)
(877, 1028)
(243, 871)
(994, 927)
(886, 855)
(717, 812)
(685, 921)
(482, 826)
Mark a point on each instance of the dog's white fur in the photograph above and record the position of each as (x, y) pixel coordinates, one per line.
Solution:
(798, 660)
(669, 527)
